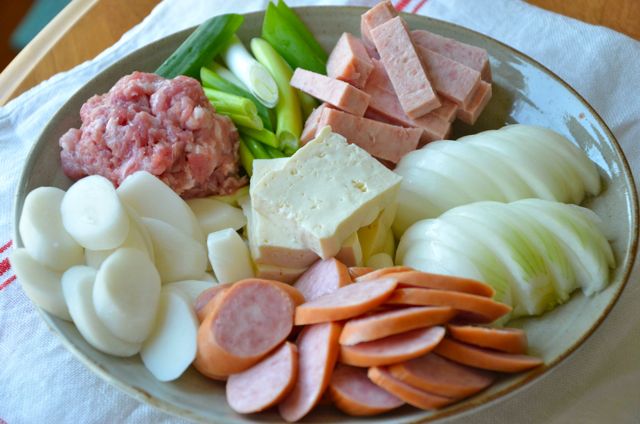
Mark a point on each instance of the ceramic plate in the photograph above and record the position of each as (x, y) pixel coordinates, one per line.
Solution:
(523, 92)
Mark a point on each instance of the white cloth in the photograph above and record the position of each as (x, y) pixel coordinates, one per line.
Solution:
(41, 382)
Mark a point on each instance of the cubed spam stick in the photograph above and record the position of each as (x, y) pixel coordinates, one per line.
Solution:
(288, 116)
(377, 15)
(285, 39)
(349, 61)
(404, 67)
(212, 79)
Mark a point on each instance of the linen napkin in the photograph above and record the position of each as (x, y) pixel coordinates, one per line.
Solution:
(41, 382)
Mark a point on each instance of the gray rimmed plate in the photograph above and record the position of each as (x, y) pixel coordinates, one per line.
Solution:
(524, 92)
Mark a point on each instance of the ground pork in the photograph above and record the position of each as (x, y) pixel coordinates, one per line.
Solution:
(165, 127)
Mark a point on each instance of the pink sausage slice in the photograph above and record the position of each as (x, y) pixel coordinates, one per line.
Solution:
(317, 355)
(404, 67)
(354, 394)
(440, 376)
(392, 349)
(251, 318)
(324, 277)
(335, 92)
(485, 358)
(382, 140)
(346, 302)
(264, 384)
(509, 340)
(204, 304)
(349, 61)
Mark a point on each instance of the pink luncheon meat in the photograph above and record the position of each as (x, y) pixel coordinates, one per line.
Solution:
(349, 61)
(384, 141)
(471, 56)
(335, 92)
(404, 67)
(377, 15)
(480, 99)
(311, 125)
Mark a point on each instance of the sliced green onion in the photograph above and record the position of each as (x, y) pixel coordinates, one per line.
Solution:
(227, 75)
(256, 148)
(230, 103)
(294, 20)
(284, 37)
(246, 158)
(263, 136)
(245, 121)
(200, 47)
(288, 115)
(253, 74)
(217, 81)
(274, 153)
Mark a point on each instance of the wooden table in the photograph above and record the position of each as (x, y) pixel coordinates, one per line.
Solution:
(87, 27)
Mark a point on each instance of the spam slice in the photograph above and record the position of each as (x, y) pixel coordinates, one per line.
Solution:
(354, 394)
(392, 349)
(440, 376)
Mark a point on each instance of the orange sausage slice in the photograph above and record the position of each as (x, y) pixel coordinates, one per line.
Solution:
(379, 273)
(358, 271)
(354, 394)
(392, 349)
(440, 376)
(317, 354)
(484, 358)
(296, 295)
(388, 323)
(412, 395)
(251, 318)
(264, 384)
(346, 302)
(324, 277)
(443, 282)
(481, 309)
(510, 340)
(203, 304)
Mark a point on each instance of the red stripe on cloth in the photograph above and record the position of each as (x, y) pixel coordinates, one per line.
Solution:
(4, 266)
(7, 282)
(6, 246)
(402, 4)
(419, 6)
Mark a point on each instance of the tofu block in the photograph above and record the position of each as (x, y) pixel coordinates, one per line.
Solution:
(471, 56)
(338, 93)
(450, 79)
(377, 15)
(349, 61)
(382, 140)
(404, 67)
(326, 191)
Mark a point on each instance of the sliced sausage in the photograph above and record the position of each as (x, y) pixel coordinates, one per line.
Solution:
(378, 273)
(484, 358)
(354, 394)
(317, 354)
(392, 349)
(388, 323)
(510, 340)
(203, 304)
(295, 294)
(440, 376)
(324, 277)
(251, 318)
(358, 271)
(264, 384)
(443, 282)
(482, 309)
(412, 395)
(346, 302)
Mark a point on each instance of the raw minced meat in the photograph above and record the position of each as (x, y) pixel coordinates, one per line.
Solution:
(165, 127)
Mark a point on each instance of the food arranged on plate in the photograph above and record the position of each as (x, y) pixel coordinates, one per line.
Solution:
(295, 224)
